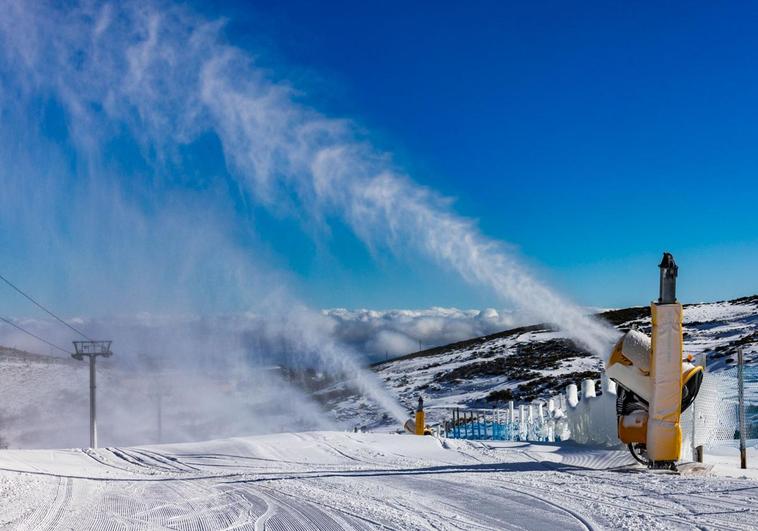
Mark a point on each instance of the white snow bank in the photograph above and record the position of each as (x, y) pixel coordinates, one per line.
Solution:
(362, 481)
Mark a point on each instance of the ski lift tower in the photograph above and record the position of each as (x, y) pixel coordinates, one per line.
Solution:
(92, 349)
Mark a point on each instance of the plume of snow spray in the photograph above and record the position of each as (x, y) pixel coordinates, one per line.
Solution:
(307, 332)
(168, 77)
(271, 140)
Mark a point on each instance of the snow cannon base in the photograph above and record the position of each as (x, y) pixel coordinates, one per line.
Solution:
(410, 427)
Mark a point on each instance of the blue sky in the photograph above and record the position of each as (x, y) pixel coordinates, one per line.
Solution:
(591, 139)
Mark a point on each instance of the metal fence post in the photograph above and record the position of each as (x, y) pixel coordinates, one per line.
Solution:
(741, 395)
(697, 449)
(92, 407)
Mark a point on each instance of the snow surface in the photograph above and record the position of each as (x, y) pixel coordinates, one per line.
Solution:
(335, 480)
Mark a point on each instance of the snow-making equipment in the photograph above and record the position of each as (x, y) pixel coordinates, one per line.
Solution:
(418, 425)
(655, 385)
(420, 417)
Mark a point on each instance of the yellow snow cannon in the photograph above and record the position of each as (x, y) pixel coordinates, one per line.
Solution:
(654, 384)
(417, 426)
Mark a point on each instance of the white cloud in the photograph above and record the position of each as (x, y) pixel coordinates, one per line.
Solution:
(397, 332)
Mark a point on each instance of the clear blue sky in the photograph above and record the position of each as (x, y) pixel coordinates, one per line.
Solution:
(592, 136)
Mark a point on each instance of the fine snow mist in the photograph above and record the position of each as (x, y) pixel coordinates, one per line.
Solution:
(175, 379)
(170, 76)
(143, 93)
(45, 402)
(131, 236)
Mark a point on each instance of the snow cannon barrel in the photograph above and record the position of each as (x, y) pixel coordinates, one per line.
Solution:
(629, 364)
(655, 384)
(667, 285)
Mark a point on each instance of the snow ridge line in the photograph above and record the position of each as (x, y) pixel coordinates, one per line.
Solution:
(323, 503)
(585, 522)
(657, 510)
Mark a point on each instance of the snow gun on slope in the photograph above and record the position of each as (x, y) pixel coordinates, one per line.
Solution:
(418, 425)
(655, 384)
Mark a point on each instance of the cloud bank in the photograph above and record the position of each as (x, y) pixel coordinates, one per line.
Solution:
(391, 333)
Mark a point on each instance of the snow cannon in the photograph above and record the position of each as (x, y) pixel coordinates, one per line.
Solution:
(655, 385)
(418, 426)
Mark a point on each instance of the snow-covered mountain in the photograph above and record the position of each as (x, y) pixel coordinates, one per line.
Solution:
(338, 480)
(531, 362)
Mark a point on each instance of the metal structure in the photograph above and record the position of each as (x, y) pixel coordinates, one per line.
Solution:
(92, 349)
(157, 394)
(417, 426)
(155, 368)
(697, 449)
(667, 284)
(655, 385)
(741, 402)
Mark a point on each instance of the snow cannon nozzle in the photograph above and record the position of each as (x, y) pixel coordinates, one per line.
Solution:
(669, 272)
(420, 404)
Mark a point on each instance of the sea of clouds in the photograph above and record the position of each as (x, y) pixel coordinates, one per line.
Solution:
(374, 335)
(382, 334)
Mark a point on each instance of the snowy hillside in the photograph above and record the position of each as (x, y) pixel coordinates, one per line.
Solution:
(45, 403)
(535, 362)
(336, 480)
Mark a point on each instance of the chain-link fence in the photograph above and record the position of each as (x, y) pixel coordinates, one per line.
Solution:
(714, 416)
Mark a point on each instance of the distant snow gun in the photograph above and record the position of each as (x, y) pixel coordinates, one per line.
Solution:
(418, 425)
(655, 385)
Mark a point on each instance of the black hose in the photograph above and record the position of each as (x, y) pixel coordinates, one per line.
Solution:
(636, 456)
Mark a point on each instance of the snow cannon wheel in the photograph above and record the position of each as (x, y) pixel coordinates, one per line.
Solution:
(639, 452)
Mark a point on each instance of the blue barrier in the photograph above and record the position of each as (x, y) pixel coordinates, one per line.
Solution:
(498, 425)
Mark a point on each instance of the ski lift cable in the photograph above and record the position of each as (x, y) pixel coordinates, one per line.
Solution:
(31, 299)
(32, 334)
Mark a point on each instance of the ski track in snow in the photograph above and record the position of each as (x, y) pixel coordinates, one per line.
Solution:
(336, 481)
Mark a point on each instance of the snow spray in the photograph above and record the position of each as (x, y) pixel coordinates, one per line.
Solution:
(306, 334)
(168, 77)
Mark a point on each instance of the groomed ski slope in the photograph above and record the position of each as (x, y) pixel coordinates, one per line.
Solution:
(331, 480)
